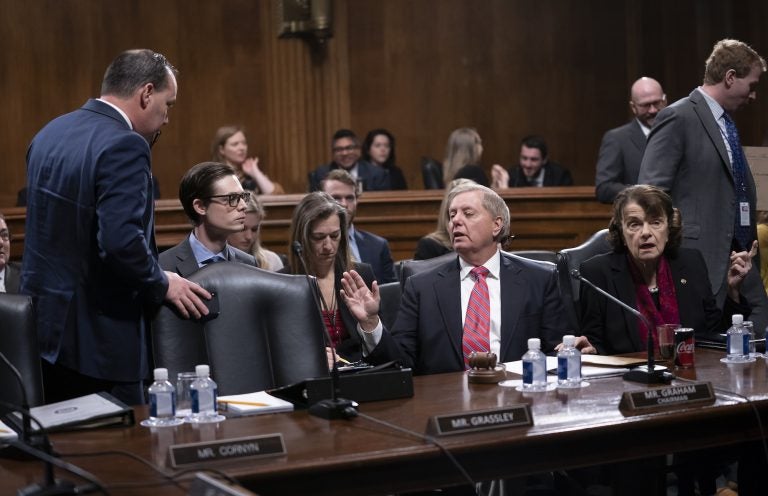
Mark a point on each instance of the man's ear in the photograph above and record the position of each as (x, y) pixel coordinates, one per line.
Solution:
(730, 77)
(199, 206)
(145, 94)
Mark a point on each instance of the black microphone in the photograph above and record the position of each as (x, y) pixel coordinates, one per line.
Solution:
(333, 407)
(34, 446)
(650, 375)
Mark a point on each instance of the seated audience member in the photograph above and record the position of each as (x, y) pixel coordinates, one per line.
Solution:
(249, 239)
(345, 148)
(533, 169)
(438, 242)
(363, 246)
(762, 238)
(230, 147)
(462, 157)
(431, 334)
(379, 150)
(9, 271)
(214, 201)
(319, 223)
(648, 270)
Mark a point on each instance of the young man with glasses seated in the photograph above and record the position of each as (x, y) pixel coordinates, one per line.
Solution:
(345, 147)
(215, 202)
(9, 271)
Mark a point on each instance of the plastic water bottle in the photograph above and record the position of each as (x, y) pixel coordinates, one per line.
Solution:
(162, 401)
(738, 340)
(534, 367)
(569, 363)
(203, 393)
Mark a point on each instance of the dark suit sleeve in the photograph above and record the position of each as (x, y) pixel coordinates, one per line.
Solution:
(610, 169)
(402, 342)
(566, 179)
(379, 180)
(386, 264)
(664, 150)
(593, 306)
(122, 184)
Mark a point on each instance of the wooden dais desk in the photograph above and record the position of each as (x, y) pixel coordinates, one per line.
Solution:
(571, 429)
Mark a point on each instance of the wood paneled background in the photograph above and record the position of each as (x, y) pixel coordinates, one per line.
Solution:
(560, 68)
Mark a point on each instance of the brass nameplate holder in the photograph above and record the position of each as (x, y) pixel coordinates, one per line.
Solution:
(226, 449)
(480, 420)
(679, 396)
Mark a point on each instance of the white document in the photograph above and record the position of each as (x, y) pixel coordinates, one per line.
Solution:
(6, 433)
(75, 410)
(254, 403)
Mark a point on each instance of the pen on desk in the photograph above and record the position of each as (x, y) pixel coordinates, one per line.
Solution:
(247, 403)
(342, 360)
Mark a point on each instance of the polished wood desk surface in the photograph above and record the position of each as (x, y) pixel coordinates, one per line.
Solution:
(571, 428)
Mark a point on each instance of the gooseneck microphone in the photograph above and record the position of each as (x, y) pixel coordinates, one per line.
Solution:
(650, 375)
(333, 407)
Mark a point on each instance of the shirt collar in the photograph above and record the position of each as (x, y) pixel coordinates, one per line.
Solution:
(493, 265)
(645, 129)
(119, 110)
(716, 108)
(201, 252)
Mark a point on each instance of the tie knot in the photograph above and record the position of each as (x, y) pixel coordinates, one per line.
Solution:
(213, 259)
(479, 272)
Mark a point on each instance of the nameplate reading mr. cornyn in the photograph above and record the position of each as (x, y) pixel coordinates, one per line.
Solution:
(226, 449)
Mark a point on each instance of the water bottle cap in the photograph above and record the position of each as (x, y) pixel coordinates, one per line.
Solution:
(202, 370)
(534, 344)
(737, 318)
(161, 374)
(569, 340)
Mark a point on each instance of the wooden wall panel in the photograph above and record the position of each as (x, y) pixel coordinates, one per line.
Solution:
(418, 67)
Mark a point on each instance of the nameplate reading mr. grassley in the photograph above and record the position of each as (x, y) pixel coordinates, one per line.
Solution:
(480, 420)
(226, 449)
(669, 396)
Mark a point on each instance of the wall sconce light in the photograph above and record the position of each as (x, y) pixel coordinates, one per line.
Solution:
(308, 19)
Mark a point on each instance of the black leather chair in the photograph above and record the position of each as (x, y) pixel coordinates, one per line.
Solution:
(268, 333)
(572, 258)
(18, 342)
(541, 255)
(411, 267)
(390, 303)
(431, 173)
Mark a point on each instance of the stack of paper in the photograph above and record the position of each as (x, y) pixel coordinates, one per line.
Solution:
(6, 433)
(253, 403)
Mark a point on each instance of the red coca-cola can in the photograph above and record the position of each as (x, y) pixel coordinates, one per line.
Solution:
(684, 344)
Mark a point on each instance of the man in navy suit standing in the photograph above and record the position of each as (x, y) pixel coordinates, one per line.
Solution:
(90, 259)
(365, 247)
(432, 332)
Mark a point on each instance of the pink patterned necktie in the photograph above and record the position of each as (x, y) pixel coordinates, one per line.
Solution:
(477, 323)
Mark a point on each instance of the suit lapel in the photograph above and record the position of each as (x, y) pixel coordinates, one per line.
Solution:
(186, 264)
(447, 289)
(624, 288)
(512, 291)
(704, 114)
(637, 137)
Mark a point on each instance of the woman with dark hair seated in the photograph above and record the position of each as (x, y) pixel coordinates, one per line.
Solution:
(648, 270)
(320, 225)
(379, 150)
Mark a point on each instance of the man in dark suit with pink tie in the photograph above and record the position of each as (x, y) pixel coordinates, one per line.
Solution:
(90, 259)
(439, 311)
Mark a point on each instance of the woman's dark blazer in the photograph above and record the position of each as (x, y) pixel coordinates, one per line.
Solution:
(613, 330)
(351, 348)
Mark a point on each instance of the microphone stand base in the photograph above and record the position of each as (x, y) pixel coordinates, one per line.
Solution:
(643, 376)
(332, 409)
(59, 487)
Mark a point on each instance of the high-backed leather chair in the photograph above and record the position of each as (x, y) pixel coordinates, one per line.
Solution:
(18, 342)
(268, 333)
(540, 255)
(390, 303)
(570, 259)
(411, 267)
(431, 173)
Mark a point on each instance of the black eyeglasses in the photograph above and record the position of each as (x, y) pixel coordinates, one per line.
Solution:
(233, 199)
